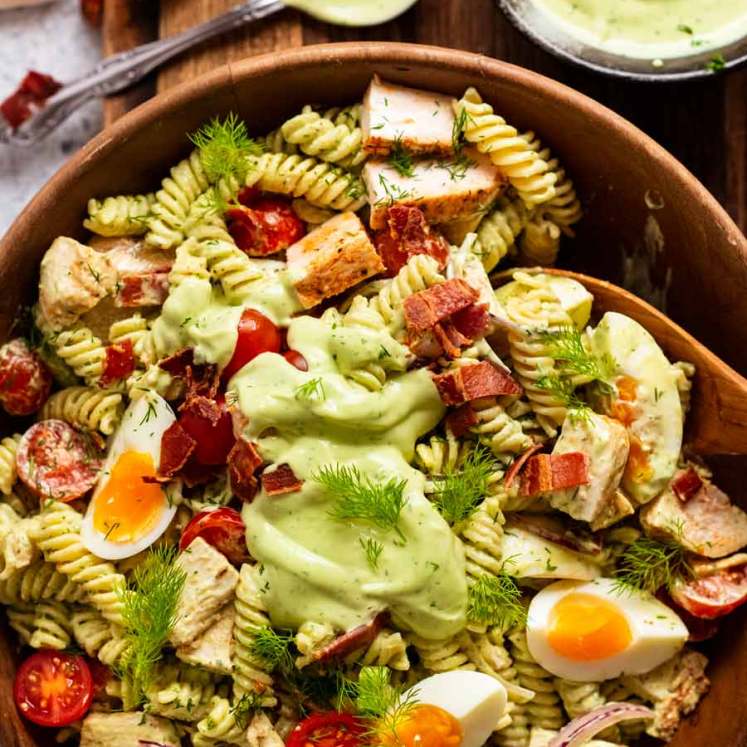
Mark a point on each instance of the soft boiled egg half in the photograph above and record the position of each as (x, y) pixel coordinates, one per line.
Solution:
(127, 512)
(592, 631)
(452, 709)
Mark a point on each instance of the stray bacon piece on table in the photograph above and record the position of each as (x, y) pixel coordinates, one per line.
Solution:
(686, 484)
(243, 461)
(119, 362)
(25, 380)
(352, 640)
(480, 380)
(280, 481)
(31, 94)
(407, 233)
(267, 226)
(545, 472)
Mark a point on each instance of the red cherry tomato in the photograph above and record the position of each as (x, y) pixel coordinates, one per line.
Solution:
(713, 596)
(223, 529)
(296, 359)
(100, 673)
(257, 334)
(331, 729)
(25, 381)
(53, 688)
(214, 440)
(267, 227)
(249, 195)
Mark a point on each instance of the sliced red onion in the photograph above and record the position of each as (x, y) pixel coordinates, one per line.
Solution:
(586, 727)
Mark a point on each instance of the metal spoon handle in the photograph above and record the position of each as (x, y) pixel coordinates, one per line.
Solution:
(126, 68)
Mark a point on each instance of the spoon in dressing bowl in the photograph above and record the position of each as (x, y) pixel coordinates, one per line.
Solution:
(126, 68)
(717, 421)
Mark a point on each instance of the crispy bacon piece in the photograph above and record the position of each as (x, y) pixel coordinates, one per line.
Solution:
(202, 380)
(352, 640)
(474, 382)
(545, 472)
(280, 481)
(461, 420)
(31, 94)
(243, 461)
(142, 290)
(202, 407)
(423, 310)
(119, 362)
(686, 484)
(176, 364)
(176, 448)
(472, 321)
(193, 473)
(518, 463)
(407, 233)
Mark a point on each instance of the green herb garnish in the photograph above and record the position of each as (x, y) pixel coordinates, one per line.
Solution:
(649, 564)
(716, 64)
(401, 159)
(685, 29)
(393, 192)
(149, 612)
(373, 550)
(359, 498)
(458, 492)
(245, 708)
(458, 129)
(383, 705)
(273, 648)
(495, 600)
(311, 390)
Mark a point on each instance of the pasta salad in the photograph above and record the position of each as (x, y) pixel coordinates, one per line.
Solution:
(292, 465)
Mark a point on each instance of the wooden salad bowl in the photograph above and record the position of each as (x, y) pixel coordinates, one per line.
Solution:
(649, 225)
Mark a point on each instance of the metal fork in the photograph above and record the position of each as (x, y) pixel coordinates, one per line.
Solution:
(126, 68)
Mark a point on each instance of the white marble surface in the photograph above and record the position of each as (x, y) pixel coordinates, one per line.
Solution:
(53, 39)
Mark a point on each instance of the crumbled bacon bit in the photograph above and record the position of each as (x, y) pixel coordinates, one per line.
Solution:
(176, 448)
(202, 380)
(461, 420)
(479, 380)
(202, 407)
(687, 484)
(243, 461)
(176, 364)
(352, 640)
(423, 310)
(545, 472)
(119, 362)
(472, 321)
(31, 94)
(518, 463)
(280, 481)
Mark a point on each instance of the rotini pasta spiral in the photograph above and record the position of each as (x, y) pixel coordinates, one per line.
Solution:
(311, 214)
(8, 472)
(189, 262)
(440, 455)
(388, 649)
(90, 630)
(85, 353)
(51, 626)
(228, 264)
(173, 201)
(498, 231)
(37, 582)
(540, 242)
(482, 537)
(544, 709)
(318, 182)
(85, 407)
(132, 329)
(21, 619)
(123, 215)
(182, 693)
(516, 733)
(249, 673)
(219, 726)
(58, 538)
(510, 153)
(498, 430)
(581, 697)
(442, 656)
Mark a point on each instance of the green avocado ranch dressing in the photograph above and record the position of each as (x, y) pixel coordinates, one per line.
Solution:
(650, 28)
(352, 12)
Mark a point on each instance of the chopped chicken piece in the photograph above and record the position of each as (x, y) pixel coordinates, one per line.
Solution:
(606, 443)
(212, 650)
(132, 729)
(707, 524)
(396, 116)
(334, 257)
(210, 584)
(444, 191)
(261, 732)
(674, 689)
(74, 278)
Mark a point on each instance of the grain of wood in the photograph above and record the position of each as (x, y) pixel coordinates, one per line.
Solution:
(735, 127)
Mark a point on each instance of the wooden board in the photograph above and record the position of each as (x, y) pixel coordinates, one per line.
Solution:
(704, 123)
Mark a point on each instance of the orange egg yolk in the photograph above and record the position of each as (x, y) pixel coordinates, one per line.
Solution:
(426, 726)
(638, 468)
(584, 627)
(128, 506)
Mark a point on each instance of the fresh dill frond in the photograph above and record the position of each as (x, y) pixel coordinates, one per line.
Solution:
(566, 345)
(311, 390)
(225, 147)
(495, 600)
(245, 708)
(149, 612)
(357, 497)
(649, 565)
(401, 159)
(383, 705)
(457, 130)
(373, 550)
(457, 167)
(394, 193)
(459, 492)
(273, 648)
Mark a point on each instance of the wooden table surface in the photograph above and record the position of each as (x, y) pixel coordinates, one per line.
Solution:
(703, 123)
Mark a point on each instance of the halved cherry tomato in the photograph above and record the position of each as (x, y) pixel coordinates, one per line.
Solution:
(713, 596)
(257, 334)
(223, 528)
(100, 673)
(296, 359)
(53, 688)
(267, 227)
(25, 380)
(331, 729)
(214, 440)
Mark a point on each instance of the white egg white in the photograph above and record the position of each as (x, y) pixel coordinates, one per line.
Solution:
(657, 633)
(141, 429)
(476, 700)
